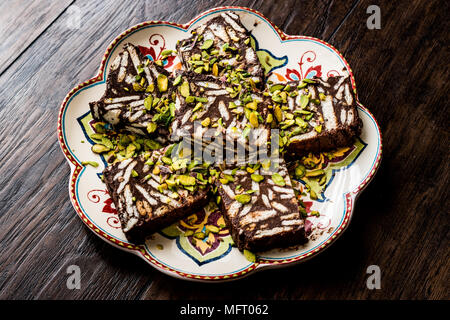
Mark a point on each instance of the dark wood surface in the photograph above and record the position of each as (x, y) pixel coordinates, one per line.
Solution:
(400, 222)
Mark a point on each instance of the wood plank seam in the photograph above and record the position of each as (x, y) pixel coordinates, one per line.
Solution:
(35, 39)
(343, 20)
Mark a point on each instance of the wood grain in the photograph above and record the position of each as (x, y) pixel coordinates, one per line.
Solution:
(21, 22)
(400, 222)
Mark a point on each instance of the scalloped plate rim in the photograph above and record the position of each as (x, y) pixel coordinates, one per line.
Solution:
(77, 169)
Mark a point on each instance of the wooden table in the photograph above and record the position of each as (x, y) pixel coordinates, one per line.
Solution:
(400, 222)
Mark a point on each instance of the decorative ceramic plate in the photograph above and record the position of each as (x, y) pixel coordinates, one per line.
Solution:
(284, 58)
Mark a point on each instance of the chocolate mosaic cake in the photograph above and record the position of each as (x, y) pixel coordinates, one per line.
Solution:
(260, 206)
(219, 47)
(138, 95)
(316, 114)
(209, 108)
(153, 191)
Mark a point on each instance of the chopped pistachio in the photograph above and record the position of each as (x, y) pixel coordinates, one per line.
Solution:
(276, 87)
(308, 81)
(302, 85)
(130, 150)
(186, 180)
(150, 88)
(96, 136)
(232, 105)
(163, 82)
(278, 113)
(257, 177)
(152, 126)
(166, 52)
(215, 69)
(206, 122)
(304, 100)
(184, 89)
(177, 80)
(250, 256)
(99, 148)
(148, 102)
(207, 44)
(152, 144)
(252, 105)
(137, 87)
(91, 163)
(198, 106)
(315, 213)
(189, 99)
(166, 160)
(107, 143)
(277, 98)
(243, 198)
(254, 119)
(199, 70)
(278, 179)
(201, 99)
(266, 164)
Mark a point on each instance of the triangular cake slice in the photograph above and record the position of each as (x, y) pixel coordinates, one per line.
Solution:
(260, 207)
(222, 47)
(316, 114)
(138, 95)
(154, 190)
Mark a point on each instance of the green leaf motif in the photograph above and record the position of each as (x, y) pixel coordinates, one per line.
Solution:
(269, 61)
(317, 185)
(193, 241)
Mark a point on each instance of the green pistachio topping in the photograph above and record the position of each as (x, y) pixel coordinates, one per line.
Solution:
(257, 177)
(207, 44)
(278, 179)
(163, 82)
(243, 198)
(90, 163)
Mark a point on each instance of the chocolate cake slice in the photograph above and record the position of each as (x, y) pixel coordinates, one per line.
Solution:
(260, 207)
(138, 95)
(154, 190)
(207, 108)
(316, 114)
(222, 47)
